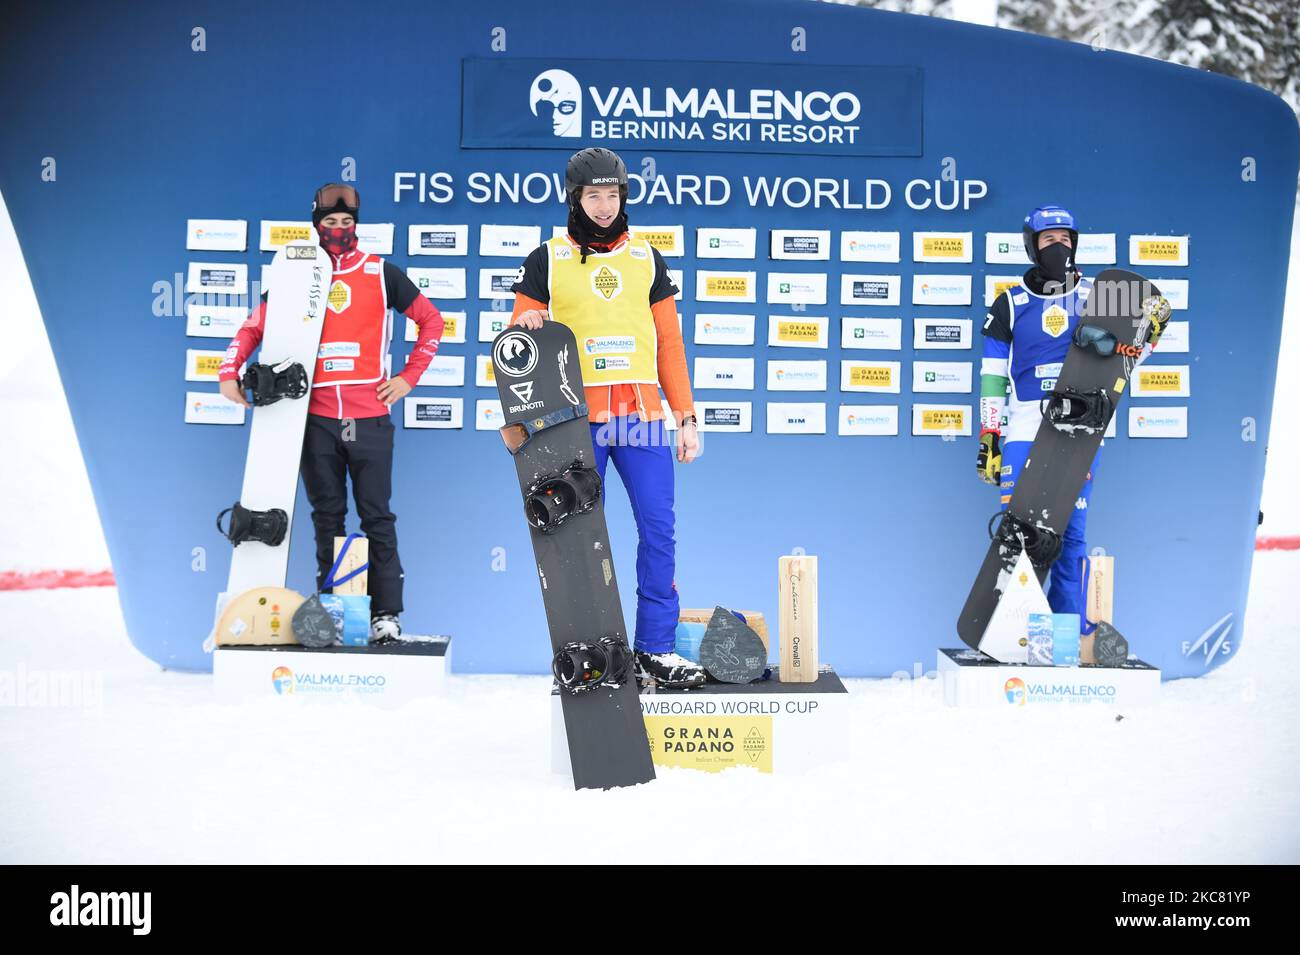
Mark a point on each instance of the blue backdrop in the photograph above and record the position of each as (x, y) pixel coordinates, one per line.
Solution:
(146, 132)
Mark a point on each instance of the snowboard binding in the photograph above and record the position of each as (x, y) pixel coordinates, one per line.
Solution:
(270, 383)
(1042, 544)
(264, 527)
(553, 500)
(582, 667)
(1071, 411)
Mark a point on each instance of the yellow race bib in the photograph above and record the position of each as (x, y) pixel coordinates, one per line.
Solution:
(606, 302)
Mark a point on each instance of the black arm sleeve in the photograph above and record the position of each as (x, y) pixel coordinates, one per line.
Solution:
(533, 279)
(663, 286)
(401, 290)
(997, 324)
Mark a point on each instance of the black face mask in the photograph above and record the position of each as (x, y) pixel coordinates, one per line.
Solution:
(586, 233)
(1057, 262)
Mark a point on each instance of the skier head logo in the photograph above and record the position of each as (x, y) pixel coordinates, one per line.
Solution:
(1015, 690)
(561, 91)
(282, 680)
(514, 354)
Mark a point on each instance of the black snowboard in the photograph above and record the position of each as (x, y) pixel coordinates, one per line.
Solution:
(540, 384)
(1059, 460)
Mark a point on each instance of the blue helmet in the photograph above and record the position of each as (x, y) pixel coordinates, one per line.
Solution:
(1042, 219)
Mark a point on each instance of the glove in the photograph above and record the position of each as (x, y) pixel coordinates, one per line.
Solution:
(1157, 309)
(989, 462)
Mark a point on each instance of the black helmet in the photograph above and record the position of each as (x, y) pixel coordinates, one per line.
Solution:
(595, 166)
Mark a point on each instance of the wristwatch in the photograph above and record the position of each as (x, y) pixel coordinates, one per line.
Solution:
(691, 419)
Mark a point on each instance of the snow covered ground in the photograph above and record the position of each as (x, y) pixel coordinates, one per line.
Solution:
(150, 767)
(154, 769)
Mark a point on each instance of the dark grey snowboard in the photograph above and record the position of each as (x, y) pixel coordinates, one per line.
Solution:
(1059, 460)
(540, 384)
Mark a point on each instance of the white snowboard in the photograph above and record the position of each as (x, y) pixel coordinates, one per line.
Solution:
(298, 283)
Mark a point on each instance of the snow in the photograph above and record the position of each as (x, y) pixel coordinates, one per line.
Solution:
(49, 520)
(156, 769)
(1281, 503)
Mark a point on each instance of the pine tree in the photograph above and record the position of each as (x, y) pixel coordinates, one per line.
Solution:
(1253, 40)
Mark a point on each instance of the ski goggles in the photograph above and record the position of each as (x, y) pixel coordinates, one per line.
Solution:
(1098, 339)
(329, 198)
